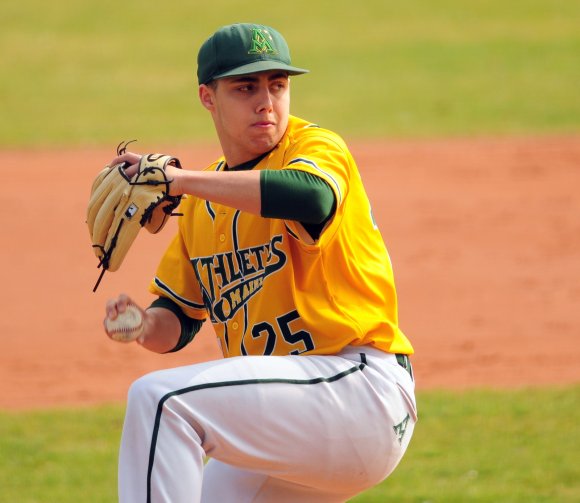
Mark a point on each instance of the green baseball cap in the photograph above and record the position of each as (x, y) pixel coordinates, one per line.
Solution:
(243, 48)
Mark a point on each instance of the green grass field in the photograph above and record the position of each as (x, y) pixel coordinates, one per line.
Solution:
(479, 446)
(94, 72)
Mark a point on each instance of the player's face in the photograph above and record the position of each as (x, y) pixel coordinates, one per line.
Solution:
(250, 113)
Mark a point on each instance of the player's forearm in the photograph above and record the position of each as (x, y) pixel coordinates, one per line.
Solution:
(237, 189)
(162, 330)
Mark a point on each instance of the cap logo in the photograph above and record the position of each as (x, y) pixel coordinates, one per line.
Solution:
(261, 42)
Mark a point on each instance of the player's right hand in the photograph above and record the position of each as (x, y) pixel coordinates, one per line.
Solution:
(119, 305)
(132, 162)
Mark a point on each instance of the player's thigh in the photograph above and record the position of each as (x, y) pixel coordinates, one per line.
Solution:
(317, 420)
(227, 484)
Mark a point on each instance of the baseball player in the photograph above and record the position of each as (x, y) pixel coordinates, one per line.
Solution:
(276, 248)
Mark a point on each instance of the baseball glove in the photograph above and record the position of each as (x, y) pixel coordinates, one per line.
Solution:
(119, 206)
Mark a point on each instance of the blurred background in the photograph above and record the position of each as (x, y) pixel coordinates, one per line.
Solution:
(93, 72)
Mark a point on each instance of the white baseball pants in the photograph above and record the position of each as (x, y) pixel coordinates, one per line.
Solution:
(278, 429)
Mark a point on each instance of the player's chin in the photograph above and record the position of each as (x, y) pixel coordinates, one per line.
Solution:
(264, 141)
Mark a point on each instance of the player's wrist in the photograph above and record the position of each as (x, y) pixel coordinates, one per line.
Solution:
(176, 176)
(161, 330)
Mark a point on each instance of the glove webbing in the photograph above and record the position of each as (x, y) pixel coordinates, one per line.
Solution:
(104, 262)
(168, 210)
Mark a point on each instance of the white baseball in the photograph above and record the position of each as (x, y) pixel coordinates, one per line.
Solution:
(127, 326)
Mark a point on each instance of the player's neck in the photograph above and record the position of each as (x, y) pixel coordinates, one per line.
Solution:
(245, 166)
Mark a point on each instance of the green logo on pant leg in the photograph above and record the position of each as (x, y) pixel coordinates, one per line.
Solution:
(261, 42)
(401, 428)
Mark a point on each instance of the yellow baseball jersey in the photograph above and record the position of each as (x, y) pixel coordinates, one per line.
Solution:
(266, 285)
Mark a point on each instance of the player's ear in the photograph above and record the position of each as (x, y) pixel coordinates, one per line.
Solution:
(206, 96)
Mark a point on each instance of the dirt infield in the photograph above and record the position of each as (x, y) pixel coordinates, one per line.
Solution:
(484, 235)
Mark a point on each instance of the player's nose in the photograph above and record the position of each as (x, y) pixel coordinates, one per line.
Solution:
(264, 101)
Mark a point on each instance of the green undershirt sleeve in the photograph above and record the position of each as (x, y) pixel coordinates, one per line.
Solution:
(291, 194)
(189, 326)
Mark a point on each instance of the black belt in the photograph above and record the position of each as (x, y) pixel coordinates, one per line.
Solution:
(405, 362)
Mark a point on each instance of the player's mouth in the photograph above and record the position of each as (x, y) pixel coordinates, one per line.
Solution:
(263, 124)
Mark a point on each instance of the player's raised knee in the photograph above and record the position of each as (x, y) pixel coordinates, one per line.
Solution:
(146, 390)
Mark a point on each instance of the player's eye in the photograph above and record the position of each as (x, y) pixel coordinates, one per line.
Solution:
(279, 85)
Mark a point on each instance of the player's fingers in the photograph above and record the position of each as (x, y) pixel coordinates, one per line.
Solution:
(111, 309)
(128, 157)
(123, 301)
(132, 170)
(116, 306)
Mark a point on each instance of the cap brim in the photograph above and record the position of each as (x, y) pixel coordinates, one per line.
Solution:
(261, 66)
